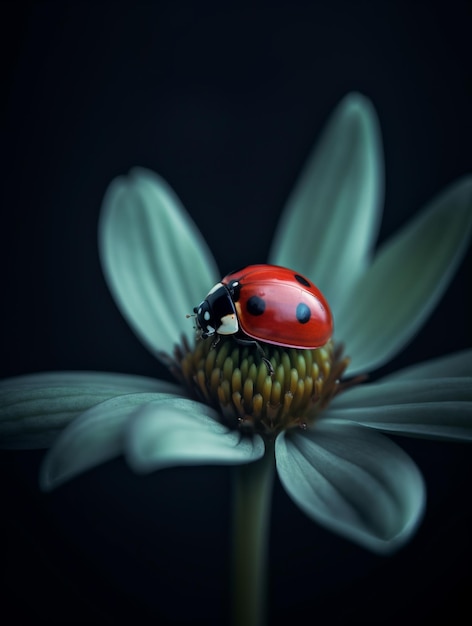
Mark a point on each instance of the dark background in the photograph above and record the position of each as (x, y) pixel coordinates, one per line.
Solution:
(225, 104)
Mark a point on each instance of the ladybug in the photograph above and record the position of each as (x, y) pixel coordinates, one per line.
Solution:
(266, 303)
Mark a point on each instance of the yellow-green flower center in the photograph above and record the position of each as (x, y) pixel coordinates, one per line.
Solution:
(236, 381)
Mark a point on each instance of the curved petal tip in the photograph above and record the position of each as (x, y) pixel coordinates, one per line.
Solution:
(353, 481)
(331, 219)
(156, 262)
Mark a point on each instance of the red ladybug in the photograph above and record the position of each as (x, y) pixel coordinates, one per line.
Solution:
(266, 303)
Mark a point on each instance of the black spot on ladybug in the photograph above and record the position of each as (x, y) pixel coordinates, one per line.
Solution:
(302, 280)
(255, 305)
(303, 313)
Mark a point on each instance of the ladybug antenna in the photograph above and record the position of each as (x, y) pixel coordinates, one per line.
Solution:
(193, 315)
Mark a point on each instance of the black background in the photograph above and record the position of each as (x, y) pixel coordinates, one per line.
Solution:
(225, 104)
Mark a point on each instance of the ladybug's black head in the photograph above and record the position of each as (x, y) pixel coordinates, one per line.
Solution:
(216, 314)
(205, 322)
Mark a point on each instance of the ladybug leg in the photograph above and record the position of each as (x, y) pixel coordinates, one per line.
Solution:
(260, 350)
(216, 341)
(270, 369)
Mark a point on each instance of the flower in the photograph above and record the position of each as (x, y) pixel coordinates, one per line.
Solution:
(341, 470)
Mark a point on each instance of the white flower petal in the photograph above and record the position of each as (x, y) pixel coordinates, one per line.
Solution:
(353, 481)
(34, 408)
(93, 438)
(436, 408)
(408, 276)
(456, 364)
(156, 263)
(331, 219)
(184, 432)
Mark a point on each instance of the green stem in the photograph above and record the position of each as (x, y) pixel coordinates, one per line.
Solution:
(251, 510)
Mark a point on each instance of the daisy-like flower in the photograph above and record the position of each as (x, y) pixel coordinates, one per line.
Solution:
(324, 434)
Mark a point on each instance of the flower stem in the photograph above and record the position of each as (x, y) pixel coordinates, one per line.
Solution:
(251, 510)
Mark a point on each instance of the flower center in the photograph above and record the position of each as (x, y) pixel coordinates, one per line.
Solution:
(236, 381)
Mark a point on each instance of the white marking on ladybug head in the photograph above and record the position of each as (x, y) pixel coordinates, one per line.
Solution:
(215, 288)
(206, 316)
(229, 325)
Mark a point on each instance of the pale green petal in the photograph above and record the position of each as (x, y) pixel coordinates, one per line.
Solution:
(184, 432)
(331, 219)
(93, 438)
(456, 364)
(408, 276)
(156, 263)
(354, 481)
(435, 408)
(34, 408)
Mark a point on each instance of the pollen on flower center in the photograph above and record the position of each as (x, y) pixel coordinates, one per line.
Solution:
(235, 380)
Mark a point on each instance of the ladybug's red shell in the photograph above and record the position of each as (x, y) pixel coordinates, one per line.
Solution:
(279, 306)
